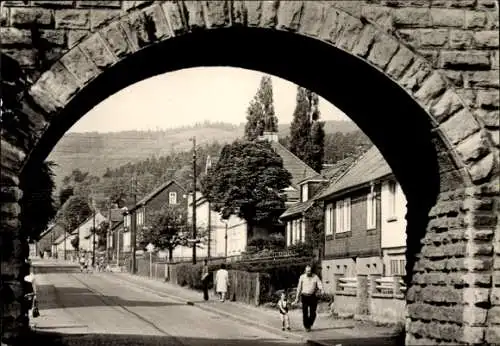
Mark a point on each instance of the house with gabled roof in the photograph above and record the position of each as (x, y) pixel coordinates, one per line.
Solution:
(62, 244)
(298, 227)
(169, 193)
(230, 237)
(84, 231)
(364, 220)
(44, 242)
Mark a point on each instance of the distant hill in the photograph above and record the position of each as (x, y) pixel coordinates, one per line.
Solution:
(94, 152)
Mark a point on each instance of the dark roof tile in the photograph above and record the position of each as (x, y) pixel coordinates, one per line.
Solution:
(370, 166)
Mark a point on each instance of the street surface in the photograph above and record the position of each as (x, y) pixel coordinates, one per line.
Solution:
(93, 309)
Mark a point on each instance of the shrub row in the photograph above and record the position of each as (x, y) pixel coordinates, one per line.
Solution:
(283, 274)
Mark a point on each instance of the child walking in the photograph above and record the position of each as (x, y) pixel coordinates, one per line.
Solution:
(283, 308)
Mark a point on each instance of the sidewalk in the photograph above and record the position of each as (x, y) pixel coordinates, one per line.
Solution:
(326, 331)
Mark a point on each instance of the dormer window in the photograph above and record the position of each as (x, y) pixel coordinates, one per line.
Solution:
(304, 192)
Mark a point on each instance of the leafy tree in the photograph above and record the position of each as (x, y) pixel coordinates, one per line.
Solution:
(64, 194)
(166, 228)
(315, 220)
(247, 181)
(300, 128)
(260, 113)
(101, 231)
(76, 176)
(37, 204)
(73, 212)
(339, 146)
(75, 243)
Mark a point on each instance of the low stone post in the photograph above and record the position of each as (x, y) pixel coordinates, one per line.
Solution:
(397, 286)
(336, 280)
(362, 294)
(373, 283)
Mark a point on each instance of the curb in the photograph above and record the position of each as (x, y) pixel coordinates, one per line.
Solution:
(254, 323)
(321, 343)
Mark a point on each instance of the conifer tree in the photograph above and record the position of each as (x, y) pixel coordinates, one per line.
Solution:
(260, 111)
(307, 134)
(317, 142)
(300, 128)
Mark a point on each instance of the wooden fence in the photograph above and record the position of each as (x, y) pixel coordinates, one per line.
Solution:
(246, 287)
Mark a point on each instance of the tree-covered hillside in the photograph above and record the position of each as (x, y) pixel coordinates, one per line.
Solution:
(96, 152)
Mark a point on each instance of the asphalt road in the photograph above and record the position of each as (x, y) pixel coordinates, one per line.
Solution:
(92, 309)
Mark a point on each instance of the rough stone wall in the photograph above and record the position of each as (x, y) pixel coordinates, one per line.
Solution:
(444, 53)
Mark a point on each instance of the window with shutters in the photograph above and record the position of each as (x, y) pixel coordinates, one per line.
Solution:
(343, 216)
(398, 267)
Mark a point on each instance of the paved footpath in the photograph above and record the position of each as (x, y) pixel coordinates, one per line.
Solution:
(326, 330)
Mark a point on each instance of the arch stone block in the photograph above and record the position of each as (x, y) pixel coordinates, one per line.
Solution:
(440, 57)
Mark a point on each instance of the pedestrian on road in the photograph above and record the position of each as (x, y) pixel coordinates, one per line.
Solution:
(204, 279)
(222, 282)
(309, 285)
(83, 262)
(283, 306)
(31, 295)
(89, 264)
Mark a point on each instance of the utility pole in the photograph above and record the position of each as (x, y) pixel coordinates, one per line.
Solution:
(209, 230)
(133, 224)
(65, 240)
(194, 199)
(225, 245)
(52, 241)
(108, 232)
(93, 235)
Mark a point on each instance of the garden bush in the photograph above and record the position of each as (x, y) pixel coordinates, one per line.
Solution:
(279, 274)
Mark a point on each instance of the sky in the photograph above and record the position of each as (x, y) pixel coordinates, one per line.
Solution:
(190, 96)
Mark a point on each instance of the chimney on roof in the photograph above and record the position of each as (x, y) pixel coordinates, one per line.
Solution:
(269, 136)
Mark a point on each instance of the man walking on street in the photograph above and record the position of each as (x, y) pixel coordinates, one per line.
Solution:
(307, 288)
(204, 279)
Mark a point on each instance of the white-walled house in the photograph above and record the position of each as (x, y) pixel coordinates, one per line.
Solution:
(58, 246)
(235, 229)
(393, 227)
(84, 230)
(206, 219)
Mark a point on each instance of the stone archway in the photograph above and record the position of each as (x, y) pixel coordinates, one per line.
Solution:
(358, 55)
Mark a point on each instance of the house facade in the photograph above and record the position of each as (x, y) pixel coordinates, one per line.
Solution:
(47, 238)
(84, 231)
(298, 228)
(230, 237)
(227, 237)
(363, 216)
(62, 244)
(393, 227)
(170, 193)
